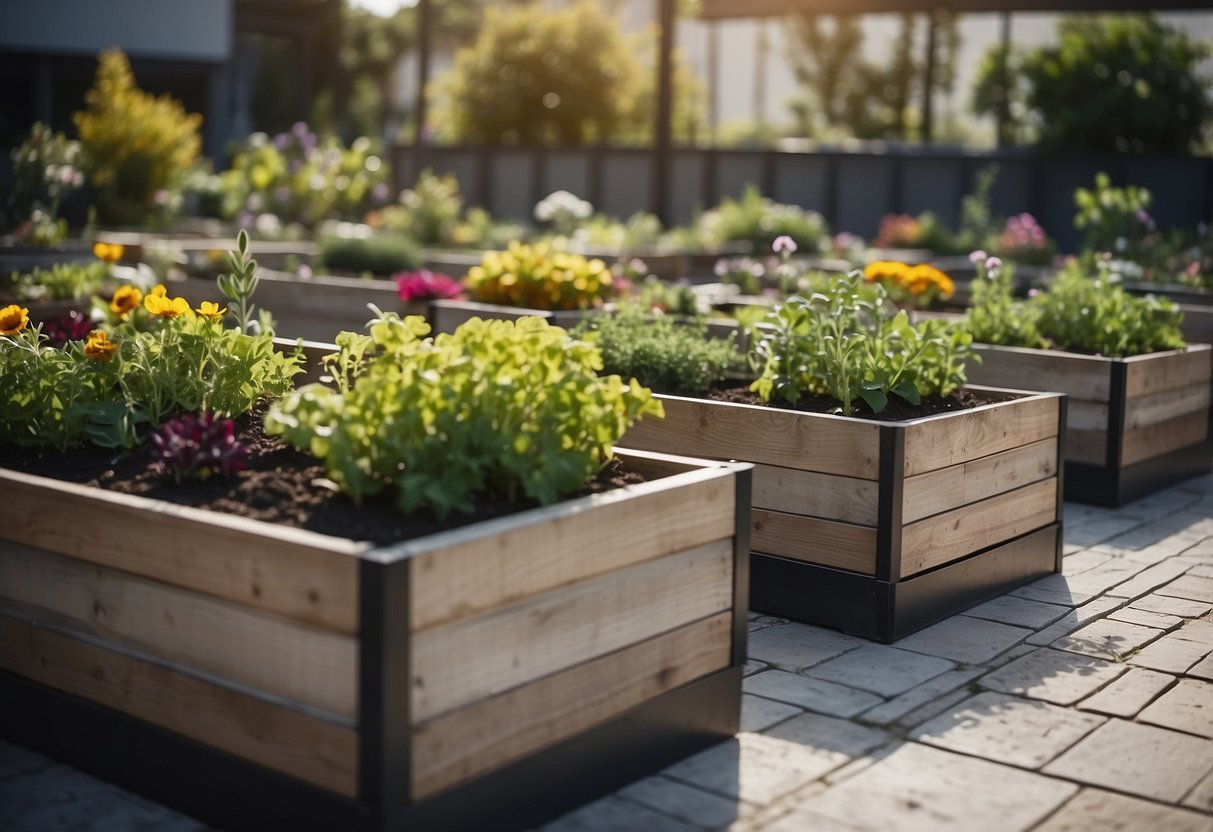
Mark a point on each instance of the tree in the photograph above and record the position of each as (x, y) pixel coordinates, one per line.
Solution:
(1112, 84)
(536, 75)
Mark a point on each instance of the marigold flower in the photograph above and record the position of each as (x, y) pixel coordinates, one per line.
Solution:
(211, 311)
(13, 319)
(109, 252)
(165, 307)
(882, 270)
(126, 299)
(99, 347)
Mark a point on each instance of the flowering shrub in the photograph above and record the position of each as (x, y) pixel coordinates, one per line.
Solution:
(46, 169)
(563, 212)
(1115, 220)
(994, 315)
(514, 409)
(907, 285)
(198, 447)
(429, 212)
(426, 285)
(538, 277)
(843, 342)
(897, 231)
(1024, 241)
(758, 221)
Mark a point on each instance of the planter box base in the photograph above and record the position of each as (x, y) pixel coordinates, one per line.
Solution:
(864, 606)
(232, 794)
(1102, 486)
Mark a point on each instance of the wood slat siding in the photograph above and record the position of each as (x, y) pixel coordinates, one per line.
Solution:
(846, 499)
(955, 534)
(1082, 415)
(942, 442)
(769, 436)
(481, 737)
(313, 750)
(1171, 404)
(1084, 377)
(466, 661)
(1164, 437)
(813, 540)
(1087, 446)
(298, 574)
(299, 663)
(1162, 371)
(949, 488)
(476, 572)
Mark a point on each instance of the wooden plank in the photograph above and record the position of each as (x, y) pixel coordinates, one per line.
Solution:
(298, 745)
(460, 663)
(952, 438)
(954, 534)
(299, 663)
(1089, 447)
(494, 565)
(767, 435)
(949, 488)
(299, 574)
(1162, 371)
(1086, 377)
(847, 499)
(1164, 437)
(1161, 407)
(482, 737)
(813, 540)
(1082, 415)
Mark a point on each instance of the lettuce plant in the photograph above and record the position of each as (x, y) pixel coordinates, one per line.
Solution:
(842, 341)
(514, 409)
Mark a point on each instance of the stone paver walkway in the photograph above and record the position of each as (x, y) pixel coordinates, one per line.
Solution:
(1082, 701)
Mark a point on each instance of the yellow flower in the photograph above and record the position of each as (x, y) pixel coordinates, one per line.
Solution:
(164, 306)
(13, 319)
(159, 291)
(885, 270)
(99, 347)
(126, 299)
(109, 252)
(923, 278)
(211, 311)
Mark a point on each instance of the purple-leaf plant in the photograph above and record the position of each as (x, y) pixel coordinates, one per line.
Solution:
(197, 447)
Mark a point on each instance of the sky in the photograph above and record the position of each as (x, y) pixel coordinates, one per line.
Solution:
(383, 8)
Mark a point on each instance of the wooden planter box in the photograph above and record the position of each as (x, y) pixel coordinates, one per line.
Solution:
(880, 528)
(267, 678)
(1134, 425)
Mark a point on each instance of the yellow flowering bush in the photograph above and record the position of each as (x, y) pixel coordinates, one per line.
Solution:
(908, 285)
(539, 277)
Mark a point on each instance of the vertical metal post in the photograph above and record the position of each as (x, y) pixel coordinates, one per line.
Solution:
(1003, 114)
(928, 82)
(423, 71)
(663, 134)
(761, 49)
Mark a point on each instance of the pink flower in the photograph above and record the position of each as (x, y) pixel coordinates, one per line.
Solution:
(977, 257)
(993, 266)
(425, 285)
(784, 245)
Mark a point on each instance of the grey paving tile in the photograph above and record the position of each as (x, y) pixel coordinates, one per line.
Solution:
(614, 814)
(752, 667)
(922, 789)
(934, 708)
(1129, 694)
(16, 759)
(756, 768)
(1018, 651)
(881, 669)
(687, 803)
(1201, 795)
(964, 639)
(813, 694)
(1007, 729)
(1149, 580)
(1083, 561)
(1192, 587)
(1076, 618)
(916, 697)
(1101, 529)
(61, 799)
(1095, 809)
(1157, 620)
(1138, 759)
(1019, 612)
(1187, 707)
(1203, 669)
(830, 735)
(1173, 653)
(797, 646)
(758, 713)
(1053, 675)
(1108, 639)
(1054, 589)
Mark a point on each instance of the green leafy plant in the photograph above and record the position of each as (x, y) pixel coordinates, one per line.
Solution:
(759, 221)
(429, 211)
(1113, 219)
(63, 281)
(379, 254)
(238, 286)
(843, 342)
(512, 409)
(135, 145)
(46, 169)
(995, 316)
(539, 277)
(659, 352)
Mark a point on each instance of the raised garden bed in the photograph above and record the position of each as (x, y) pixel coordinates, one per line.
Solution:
(879, 528)
(447, 315)
(488, 677)
(1134, 425)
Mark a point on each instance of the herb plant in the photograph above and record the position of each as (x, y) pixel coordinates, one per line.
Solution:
(995, 316)
(659, 352)
(378, 255)
(759, 221)
(843, 342)
(514, 409)
(62, 281)
(539, 277)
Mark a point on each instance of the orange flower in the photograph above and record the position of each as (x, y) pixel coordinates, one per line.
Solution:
(211, 311)
(109, 252)
(99, 347)
(165, 307)
(879, 271)
(13, 319)
(922, 278)
(126, 299)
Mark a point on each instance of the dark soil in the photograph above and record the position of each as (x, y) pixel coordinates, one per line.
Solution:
(897, 410)
(279, 485)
